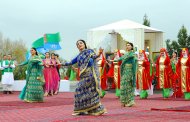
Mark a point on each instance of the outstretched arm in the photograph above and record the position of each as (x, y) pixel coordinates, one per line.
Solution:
(95, 56)
(23, 63)
(74, 61)
(119, 59)
(124, 57)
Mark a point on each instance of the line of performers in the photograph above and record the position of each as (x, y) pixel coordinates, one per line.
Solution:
(50, 73)
(171, 75)
(128, 71)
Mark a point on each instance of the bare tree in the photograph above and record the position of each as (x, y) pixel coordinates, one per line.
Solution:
(18, 50)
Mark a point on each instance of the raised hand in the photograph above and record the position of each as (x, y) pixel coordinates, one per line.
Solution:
(63, 64)
(101, 50)
(111, 60)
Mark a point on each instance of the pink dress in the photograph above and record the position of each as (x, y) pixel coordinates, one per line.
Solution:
(55, 76)
(48, 75)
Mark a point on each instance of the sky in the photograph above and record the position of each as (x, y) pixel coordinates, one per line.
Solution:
(30, 19)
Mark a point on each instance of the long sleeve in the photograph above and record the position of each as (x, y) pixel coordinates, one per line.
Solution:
(157, 67)
(23, 63)
(147, 65)
(93, 56)
(125, 57)
(119, 59)
(4, 65)
(74, 61)
(12, 65)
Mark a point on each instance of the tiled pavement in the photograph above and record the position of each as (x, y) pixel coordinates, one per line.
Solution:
(59, 109)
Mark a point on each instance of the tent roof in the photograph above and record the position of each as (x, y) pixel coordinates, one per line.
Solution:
(125, 24)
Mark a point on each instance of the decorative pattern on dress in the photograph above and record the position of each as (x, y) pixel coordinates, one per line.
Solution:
(87, 97)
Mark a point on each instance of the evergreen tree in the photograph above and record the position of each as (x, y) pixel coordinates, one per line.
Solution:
(182, 42)
(175, 46)
(183, 38)
(146, 22)
(188, 42)
(172, 46)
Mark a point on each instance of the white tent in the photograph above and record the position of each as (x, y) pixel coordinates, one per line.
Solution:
(141, 36)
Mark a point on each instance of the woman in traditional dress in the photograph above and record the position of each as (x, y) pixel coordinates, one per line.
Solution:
(128, 76)
(110, 74)
(55, 74)
(58, 66)
(117, 76)
(87, 93)
(33, 90)
(152, 72)
(114, 72)
(48, 76)
(103, 75)
(183, 71)
(58, 63)
(163, 73)
(174, 81)
(143, 75)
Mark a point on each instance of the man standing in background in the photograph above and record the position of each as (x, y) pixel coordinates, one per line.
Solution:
(1, 67)
(7, 77)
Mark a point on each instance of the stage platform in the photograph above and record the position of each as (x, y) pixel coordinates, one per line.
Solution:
(58, 108)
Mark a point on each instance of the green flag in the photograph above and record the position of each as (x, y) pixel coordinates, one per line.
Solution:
(38, 43)
(52, 38)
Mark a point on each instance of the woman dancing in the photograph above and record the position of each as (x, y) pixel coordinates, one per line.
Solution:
(87, 93)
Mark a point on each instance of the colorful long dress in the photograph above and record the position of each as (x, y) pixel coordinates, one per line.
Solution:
(117, 77)
(128, 78)
(183, 69)
(103, 75)
(110, 74)
(163, 74)
(86, 96)
(152, 77)
(48, 76)
(55, 75)
(175, 83)
(143, 77)
(114, 72)
(33, 90)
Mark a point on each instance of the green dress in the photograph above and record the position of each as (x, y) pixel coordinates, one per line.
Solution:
(33, 90)
(128, 78)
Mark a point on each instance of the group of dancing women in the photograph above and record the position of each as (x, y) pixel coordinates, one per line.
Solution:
(130, 70)
(137, 72)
